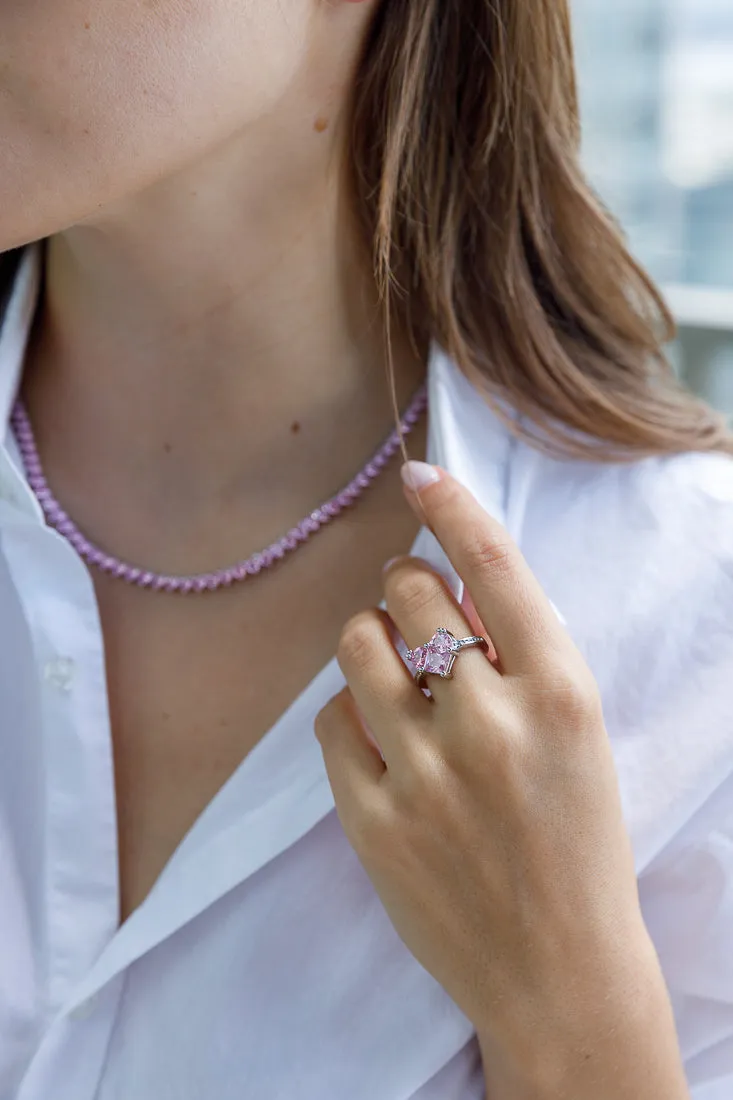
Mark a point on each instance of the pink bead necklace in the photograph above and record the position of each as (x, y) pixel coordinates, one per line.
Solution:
(202, 582)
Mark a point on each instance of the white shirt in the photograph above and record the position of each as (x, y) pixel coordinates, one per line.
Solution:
(262, 964)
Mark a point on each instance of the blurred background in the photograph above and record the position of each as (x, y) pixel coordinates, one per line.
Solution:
(656, 86)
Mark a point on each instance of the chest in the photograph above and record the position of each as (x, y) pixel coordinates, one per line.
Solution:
(196, 681)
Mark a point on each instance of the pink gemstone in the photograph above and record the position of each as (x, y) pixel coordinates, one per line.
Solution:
(437, 662)
(416, 656)
(434, 656)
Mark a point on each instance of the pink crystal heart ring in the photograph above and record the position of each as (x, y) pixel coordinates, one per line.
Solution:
(437, 655)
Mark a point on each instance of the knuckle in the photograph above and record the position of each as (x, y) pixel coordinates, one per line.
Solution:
(357, 645)
(494, 555)
(571, 697)
(323, 722)
(330, 717)
(413, 591)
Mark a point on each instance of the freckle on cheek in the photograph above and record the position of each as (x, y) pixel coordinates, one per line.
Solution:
(320, 124)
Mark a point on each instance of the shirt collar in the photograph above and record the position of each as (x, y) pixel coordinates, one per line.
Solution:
(16, 328)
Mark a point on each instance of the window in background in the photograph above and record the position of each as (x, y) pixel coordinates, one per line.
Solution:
(656, 89)
(656, 83)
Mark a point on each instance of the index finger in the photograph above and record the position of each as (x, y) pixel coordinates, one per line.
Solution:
(509, 599)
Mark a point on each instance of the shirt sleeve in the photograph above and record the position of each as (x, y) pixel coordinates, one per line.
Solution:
(687, 902)
(640, 560)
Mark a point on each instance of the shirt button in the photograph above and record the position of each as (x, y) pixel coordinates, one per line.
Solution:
(60, 673)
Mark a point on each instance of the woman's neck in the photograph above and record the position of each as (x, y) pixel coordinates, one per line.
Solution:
(220, 328)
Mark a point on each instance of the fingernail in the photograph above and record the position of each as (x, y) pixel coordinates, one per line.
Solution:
(418, 475)
(387, 564)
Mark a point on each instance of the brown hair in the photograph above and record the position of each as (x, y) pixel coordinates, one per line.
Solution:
(465, 138)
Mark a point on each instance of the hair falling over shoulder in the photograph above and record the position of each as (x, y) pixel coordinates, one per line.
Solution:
(487, 237)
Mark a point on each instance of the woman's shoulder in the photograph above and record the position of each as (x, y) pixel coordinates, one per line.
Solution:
(633, 535)
(638, 558)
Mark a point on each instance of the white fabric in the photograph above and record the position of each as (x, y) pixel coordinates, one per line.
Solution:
(262, 964)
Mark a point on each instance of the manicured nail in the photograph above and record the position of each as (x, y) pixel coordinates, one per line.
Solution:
(418, 475)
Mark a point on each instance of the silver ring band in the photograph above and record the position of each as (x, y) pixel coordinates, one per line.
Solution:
(474, 640)
(437, 656)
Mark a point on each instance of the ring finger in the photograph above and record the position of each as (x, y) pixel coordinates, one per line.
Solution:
(418, 603)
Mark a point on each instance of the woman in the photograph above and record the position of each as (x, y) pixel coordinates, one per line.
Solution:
(265, 227)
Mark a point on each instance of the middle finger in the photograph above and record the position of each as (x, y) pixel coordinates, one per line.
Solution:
(418, 602)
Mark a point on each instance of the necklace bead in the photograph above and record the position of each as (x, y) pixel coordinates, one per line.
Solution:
(57, 518)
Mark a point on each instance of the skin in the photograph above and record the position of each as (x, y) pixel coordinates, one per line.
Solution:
(169, 130)
(110, 98)
(145, 138)
(536, 930)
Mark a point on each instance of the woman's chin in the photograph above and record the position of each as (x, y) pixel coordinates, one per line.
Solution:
(9, 240)
(27, 221)
(20, 225)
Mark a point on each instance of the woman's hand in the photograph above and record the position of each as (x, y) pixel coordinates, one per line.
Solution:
(491, 822)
